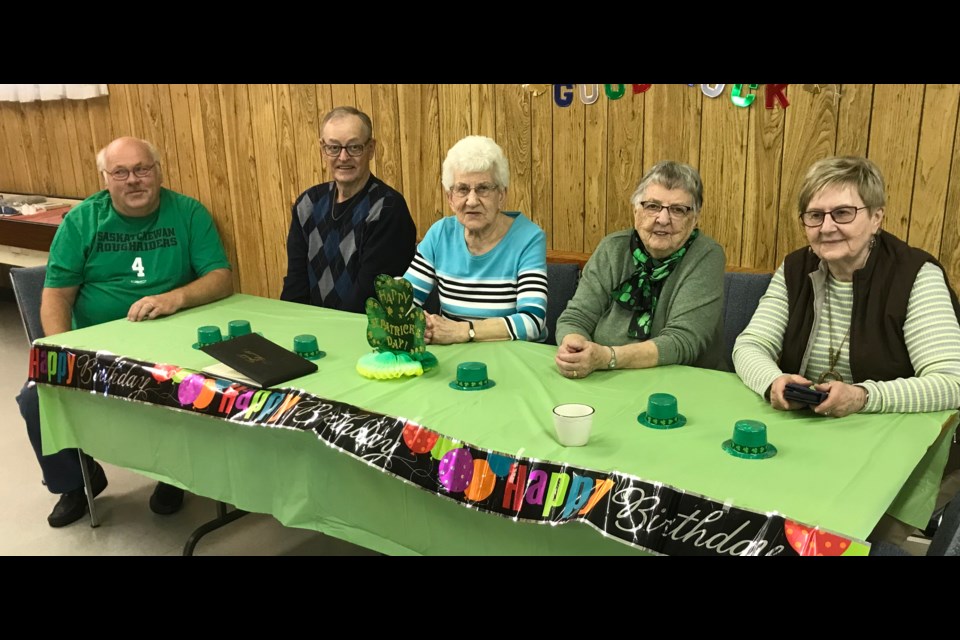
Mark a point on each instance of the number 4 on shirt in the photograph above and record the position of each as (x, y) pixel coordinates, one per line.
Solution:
(138, 266)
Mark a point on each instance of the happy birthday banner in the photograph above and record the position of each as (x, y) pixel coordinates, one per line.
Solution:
(648, 515)
(742, 95)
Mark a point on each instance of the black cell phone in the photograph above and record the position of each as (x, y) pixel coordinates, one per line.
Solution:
(802, 393)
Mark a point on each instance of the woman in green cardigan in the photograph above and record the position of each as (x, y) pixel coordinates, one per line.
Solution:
(651, 295)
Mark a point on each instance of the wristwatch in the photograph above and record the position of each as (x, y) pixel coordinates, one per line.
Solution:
(613, 359)
(470, 331)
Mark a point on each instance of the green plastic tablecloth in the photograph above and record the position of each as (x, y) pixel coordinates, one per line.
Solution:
(838, 474)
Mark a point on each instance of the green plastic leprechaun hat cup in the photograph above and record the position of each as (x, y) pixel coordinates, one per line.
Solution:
(237, 328)
(661, 412)
(749, 441)
(472, 376)
(305, 346)
(207, 335)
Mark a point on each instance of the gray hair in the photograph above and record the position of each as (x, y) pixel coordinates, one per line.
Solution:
(860, 173)
(670, 174)
(341, 112)
(475, 154)
(102, 154)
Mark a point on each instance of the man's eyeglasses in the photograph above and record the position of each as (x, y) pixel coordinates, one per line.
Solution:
(482, 190)
(123, 173)
(840, 215)
(676, 211)
(333, 150)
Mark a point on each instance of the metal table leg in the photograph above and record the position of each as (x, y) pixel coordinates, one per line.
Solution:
(223, 518)
(88, 489)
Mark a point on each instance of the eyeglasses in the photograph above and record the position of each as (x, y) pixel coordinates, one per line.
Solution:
(333, 150)
(840, 215)
(676, 211)
(123, 173)
(482, 190)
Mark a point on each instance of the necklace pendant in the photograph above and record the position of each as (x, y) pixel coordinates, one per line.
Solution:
(829, 376)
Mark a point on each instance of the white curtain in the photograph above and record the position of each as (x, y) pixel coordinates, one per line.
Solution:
(31, 92)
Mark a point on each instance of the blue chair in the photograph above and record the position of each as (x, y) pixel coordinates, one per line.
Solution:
(28, 290)
(562, 282)
(946, 541)
(741, 294)
(432, 303)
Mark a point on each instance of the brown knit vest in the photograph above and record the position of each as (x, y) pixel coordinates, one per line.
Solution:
(881, 290)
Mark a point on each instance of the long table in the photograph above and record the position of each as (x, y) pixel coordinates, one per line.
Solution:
(659, 491)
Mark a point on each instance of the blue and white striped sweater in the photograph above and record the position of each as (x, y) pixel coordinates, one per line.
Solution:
(509, 281)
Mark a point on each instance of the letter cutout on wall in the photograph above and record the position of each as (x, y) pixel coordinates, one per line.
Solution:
(743, 101)
(712, 90)
(563, 94)
(615, 94)
(776, 91)
(589, 93)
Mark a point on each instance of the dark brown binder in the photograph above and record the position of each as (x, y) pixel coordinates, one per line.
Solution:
(261, 360)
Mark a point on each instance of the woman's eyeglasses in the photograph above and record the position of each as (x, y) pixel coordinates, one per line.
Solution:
(482, 190)
(676, 211)
(840, 215)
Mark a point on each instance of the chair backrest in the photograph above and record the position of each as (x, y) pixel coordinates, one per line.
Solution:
(28, 289)
(432, 303)
(741, 294)
(946, 541)
(561, 285)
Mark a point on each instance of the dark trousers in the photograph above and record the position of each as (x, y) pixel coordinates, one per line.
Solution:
(61, 471)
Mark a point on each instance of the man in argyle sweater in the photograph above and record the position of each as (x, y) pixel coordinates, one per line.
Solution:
(346, 232)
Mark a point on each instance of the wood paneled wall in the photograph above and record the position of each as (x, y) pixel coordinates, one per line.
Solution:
(247, 151)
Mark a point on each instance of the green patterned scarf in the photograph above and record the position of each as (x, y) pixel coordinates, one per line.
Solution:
(641, 290)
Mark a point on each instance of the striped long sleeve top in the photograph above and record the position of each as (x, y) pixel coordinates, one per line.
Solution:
(931, 333)
(509, 281)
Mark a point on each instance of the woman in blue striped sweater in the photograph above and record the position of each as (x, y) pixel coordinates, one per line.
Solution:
(489, 265)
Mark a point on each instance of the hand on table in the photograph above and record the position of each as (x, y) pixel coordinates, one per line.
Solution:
(150, 307)
(578, 357)
(843, 400)
(442, 330)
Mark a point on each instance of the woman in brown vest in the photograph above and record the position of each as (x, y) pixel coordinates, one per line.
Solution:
(858, 313)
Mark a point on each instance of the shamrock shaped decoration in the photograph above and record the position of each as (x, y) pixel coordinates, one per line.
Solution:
(395, 327)
(394, 322)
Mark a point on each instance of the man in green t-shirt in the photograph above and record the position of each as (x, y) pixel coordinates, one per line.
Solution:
(134, 250)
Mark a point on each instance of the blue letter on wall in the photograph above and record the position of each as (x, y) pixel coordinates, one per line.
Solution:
(563, 94)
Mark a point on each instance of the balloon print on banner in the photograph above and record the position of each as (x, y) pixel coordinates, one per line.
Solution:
(456, 470)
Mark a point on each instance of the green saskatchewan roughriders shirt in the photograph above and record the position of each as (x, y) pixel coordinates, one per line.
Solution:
(116, 260)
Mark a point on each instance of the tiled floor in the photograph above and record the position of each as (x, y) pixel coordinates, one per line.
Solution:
(128, 527)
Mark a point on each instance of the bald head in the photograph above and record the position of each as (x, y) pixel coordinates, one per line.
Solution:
(121, 144)
(131, 172)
